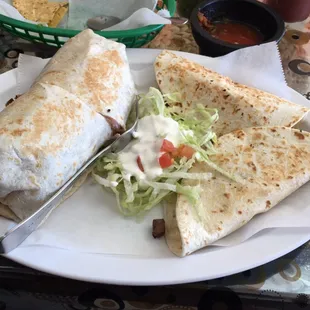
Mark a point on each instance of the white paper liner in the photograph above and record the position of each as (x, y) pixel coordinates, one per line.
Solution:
(90, 222)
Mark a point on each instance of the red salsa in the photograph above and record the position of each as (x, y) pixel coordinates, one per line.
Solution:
(231, 32)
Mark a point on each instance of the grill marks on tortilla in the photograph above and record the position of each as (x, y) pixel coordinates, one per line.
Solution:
(263, 151)
(99, 85)
(96, 71)
(58, 117)
(269, 163)
(63, 119)
(96, 76)
(239, 106)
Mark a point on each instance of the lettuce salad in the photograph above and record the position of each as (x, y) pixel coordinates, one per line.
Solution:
(134, 195)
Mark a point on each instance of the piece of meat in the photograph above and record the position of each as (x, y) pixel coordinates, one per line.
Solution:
(12, 100)
(115, 126)
(158, 228)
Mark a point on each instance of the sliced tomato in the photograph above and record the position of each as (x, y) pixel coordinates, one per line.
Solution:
(185, 151)
(175, 153)
(167, 146)
(139, 162)
(165, 160)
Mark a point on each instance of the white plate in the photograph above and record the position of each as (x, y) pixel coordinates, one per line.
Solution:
(151, 268)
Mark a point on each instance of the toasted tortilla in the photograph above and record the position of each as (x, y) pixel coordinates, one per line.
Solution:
(97, 71)
(49, 132)
(239, 106)
(6, 212)
(42, 11)
(268, 164)
(59, 15)
(45, 137)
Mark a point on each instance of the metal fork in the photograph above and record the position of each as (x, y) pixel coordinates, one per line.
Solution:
(15, 236)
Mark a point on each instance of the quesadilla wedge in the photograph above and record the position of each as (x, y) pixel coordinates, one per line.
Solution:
(239, 106)
(266, 164)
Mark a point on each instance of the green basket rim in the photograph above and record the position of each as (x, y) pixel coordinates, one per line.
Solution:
(171, 5)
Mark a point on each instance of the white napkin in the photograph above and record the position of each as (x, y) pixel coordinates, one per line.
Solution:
(29, 68)
(141, 18)
(89, 220)
(80, 10)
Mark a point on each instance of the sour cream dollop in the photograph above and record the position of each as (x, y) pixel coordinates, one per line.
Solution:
(150, 134)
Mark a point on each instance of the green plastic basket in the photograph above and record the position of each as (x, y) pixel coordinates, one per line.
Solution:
(57, 37)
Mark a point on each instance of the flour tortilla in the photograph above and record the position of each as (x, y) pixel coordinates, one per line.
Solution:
(239, 106)
(48, 133)
(268, 164)
(97, 71)
(6, 212)
(45, 137)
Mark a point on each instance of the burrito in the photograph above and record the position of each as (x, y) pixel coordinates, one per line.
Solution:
(48, 133)
(96, 70)
(239, 106)
(265, 164)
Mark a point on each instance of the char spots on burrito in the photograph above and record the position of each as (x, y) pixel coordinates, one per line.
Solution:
(55, 127)
(96, 70)
(66, 117)
(63, 117)
(95, 77)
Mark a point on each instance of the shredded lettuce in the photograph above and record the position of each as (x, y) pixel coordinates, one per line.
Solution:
(134, 197)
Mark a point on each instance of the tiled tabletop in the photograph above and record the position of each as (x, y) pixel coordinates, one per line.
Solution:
(284, 280)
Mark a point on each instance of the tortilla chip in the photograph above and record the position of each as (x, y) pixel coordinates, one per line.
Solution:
(59, 15)
(41, 11)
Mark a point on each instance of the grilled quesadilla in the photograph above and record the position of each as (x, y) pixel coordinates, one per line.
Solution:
(239, 106)
(265, 164)
(48, 133)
